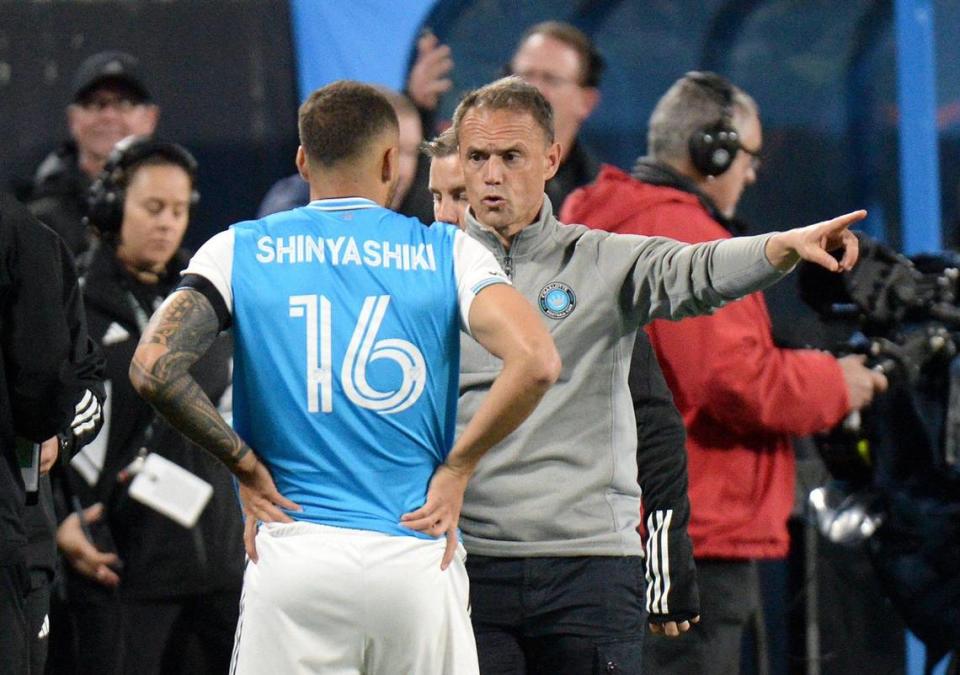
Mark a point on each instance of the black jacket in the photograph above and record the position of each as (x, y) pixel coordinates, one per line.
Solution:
(59, 194)
(662, 474)
(161, 558)
(578, 169)
(47, 360)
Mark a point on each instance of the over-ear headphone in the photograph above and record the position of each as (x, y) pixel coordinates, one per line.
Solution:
(107, 193)
(714, 146)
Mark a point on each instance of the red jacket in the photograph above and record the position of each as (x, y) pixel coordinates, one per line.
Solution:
(741, 397)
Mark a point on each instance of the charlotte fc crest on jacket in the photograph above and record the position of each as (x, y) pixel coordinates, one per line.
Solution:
(557, 300)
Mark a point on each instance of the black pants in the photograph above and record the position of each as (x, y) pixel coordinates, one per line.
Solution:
(729, 599)
(559, 616)
(14, 586)
(38, 620)
(92, 641)
(186, 635)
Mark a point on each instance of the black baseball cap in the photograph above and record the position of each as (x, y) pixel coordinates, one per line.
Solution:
(110, 66)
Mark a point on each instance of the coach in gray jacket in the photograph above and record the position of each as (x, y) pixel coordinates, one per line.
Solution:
(550, 520)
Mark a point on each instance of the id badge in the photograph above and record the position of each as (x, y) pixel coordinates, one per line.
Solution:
(170, 489)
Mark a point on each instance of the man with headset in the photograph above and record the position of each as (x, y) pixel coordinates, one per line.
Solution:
(177, 584)
(741, 397)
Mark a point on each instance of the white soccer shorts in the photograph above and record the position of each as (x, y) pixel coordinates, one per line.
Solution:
(342, 602)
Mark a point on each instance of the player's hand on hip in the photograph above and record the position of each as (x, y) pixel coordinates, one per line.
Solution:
(440, 514)
(813, 243)
(250, 526)
(261, 501)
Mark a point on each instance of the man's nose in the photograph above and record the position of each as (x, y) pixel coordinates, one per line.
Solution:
(447, 212)
(493, 172)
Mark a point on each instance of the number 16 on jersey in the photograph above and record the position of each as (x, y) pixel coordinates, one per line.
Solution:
(363, 349)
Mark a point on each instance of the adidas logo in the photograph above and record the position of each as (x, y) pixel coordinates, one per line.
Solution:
(115, 333)
(45, 628)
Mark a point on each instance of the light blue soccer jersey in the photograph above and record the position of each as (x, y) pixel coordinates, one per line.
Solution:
(347, 318)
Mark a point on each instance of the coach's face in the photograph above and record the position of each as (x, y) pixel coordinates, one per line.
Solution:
(506, 163)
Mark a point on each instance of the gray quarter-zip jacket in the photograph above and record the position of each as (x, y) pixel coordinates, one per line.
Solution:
(565, 482)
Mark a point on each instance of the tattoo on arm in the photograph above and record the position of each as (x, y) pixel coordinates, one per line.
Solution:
(186, 325)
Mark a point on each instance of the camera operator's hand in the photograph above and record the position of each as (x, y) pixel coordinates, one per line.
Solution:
(862, 382)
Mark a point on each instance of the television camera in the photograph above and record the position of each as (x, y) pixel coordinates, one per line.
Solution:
(896, 467)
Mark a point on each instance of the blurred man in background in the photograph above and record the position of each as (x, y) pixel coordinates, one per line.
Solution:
(110, 101)
(563, 64)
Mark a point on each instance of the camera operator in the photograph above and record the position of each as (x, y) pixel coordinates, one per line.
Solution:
(741, 397)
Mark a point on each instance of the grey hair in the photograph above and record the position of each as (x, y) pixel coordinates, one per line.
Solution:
(685, 108)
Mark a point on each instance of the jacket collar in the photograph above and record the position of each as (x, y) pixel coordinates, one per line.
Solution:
(526, 240)
(646, 170)
(107, 284)
(59, 173)
(343, 204)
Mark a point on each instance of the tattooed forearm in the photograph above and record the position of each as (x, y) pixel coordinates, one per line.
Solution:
(180, 332)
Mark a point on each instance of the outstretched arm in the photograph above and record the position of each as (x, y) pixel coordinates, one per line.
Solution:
(178, 334)
(672, 280)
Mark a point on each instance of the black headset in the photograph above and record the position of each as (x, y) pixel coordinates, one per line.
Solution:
(107, 193)
(714, 146)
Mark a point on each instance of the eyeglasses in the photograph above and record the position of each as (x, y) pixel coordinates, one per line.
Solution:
(756, 157)
(548, 80)
(101, 103)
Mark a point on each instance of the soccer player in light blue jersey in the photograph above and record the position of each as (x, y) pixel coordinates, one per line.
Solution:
(346, 319)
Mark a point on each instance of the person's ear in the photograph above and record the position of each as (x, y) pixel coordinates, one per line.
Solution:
(589, 99)
(152, 118)
(72, 111)
(389, 165)
(303, 167)
(551, 161)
